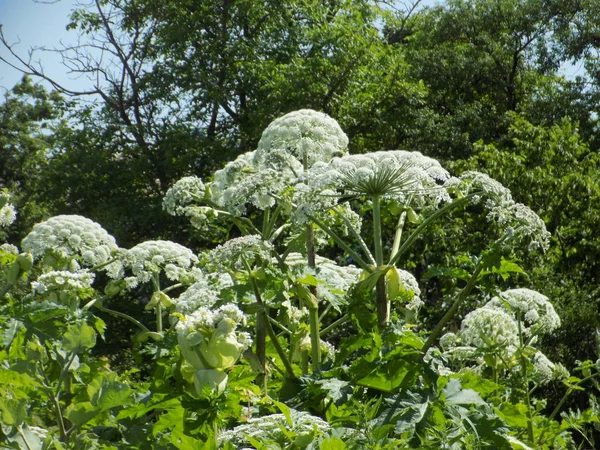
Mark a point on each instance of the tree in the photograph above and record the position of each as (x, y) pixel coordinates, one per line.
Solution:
(182, 86)
(28, 115)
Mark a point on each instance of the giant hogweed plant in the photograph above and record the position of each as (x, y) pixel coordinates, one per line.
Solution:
(262, 342)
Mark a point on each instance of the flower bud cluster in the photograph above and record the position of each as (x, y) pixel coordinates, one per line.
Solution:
(208, 338)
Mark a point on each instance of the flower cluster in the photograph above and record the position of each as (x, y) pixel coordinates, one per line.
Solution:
(67, 238)
(482, 185)
(519, 223)
(63, 280)
(243, 181)
(275, 427)
(182, 194)
(230, 254)
(8, 215)
(208, 338)
(307, 135)
(150, 258)
(494, 329)
(537, 312)
(205, 292)
(399, 175)
(9, 248)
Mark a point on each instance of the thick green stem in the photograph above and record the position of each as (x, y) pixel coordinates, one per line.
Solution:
(59, 416)
(525, 382)
(315, 339)
(122, 315)
(261, 346)
(437, 331)
(5, 289)
(159, 322)
(20, 431)
(383, 303)
(398, 235)
(377, 239)
(569, 391)
(313, 312)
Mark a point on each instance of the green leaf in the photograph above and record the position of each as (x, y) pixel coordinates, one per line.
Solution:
(285, 410)
(14, 412)
(333, 443)
(79, 337)
(513, 415)
(81, 413)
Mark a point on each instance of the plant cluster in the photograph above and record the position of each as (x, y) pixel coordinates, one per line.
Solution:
(304, 330)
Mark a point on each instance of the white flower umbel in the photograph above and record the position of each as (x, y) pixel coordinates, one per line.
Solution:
(230, 254)
(64, 287)
(9, 248)
(272, 428)
(489, 189)
(182, 194)
(521, 225)
(70, 237)
(307, 135)
(489, 329)
(243, 182)
(63, 280)
(205, 292)
(148, 259)
(390, 174)
(8, 214)
(536, 311)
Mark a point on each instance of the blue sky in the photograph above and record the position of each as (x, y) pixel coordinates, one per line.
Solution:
(35, 24)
